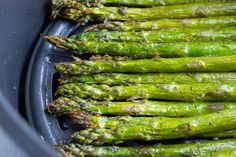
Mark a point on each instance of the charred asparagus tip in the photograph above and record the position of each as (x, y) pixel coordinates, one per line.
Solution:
(81, 118)
(57, 41)
(58, 5)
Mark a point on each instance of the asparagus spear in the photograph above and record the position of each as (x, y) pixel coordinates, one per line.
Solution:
(220, 21)
(193, 64)
(89, 121)
(179, 92)
(172, 129)
(204, 148)
(130, 3)
(150, 78)
(142, 3)
(164, 35)
(64, 105)
(145, 50)
(193, 10)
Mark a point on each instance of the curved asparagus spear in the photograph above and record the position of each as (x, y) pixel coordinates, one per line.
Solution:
(220, 21)
(195, 10)
(163, 36)
(146, 50)
(179, 92)
(193, 64)
(150, 78)
(173, 128)
(204, 148)
(65, 105)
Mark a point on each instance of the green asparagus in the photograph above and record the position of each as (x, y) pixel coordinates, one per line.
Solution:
(146, 50)
(90, 121)
(192, 64)
(162, 36)
(178, 92)
(203, 148)
(219, 21)
(130, 3)
(64, 105)
(150, 78)
(83, 14)
(173, 128)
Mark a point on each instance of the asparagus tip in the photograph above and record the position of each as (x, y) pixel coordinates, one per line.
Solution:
(81, 118)
(64, 150)
(68, 149)
(58, 5)
(88, 136)
(59, 42)
(57, 107)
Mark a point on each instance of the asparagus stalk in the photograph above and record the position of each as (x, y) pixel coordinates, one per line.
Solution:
(150, 78)
(129, 3)
(163, 36)
(145, 50)
(191, 10)
(193, 64)
(178, 92)
(173, 128)
(203, 148)
(64, 105)
(90, 121)
(220, 21)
